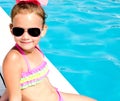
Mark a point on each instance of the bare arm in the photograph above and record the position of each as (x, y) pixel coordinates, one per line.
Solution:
(12, 72)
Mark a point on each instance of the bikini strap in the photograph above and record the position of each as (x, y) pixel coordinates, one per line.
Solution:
(24, 56)
(37, 47)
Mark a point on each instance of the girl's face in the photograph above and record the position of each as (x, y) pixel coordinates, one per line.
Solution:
(27, 21)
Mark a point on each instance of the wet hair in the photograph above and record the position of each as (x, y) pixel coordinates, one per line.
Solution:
(24, 7)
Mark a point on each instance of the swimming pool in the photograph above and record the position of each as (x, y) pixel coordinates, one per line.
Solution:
(83, 43)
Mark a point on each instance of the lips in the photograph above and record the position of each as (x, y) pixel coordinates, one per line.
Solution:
(24, 42)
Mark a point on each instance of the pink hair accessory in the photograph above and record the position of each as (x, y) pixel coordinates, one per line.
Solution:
(41, 2)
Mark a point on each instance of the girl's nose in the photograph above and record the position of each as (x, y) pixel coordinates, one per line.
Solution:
(25, 35)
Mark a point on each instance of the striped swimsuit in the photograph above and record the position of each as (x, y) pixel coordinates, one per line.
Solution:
(34, 76)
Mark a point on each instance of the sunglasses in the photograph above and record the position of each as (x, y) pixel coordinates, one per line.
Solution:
(34, 32)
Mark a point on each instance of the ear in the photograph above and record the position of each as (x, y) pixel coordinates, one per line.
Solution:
(10, 26)
(44, 30)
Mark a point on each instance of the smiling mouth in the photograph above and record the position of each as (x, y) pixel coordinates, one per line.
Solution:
(25, 42)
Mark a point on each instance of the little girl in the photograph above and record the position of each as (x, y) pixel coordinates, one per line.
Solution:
(24, 68)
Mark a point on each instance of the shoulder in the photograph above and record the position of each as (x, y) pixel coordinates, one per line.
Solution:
(12, 55)
(12, 58)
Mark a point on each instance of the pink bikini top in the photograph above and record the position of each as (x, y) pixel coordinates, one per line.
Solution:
(32, 76)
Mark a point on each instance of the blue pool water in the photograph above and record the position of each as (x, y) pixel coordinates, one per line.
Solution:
(83, 43)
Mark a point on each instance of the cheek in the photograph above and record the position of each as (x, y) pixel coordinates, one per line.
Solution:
(16, 38)
(37, 39)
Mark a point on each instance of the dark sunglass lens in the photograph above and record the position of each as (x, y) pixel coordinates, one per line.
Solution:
(18, 31)
(34, 32)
